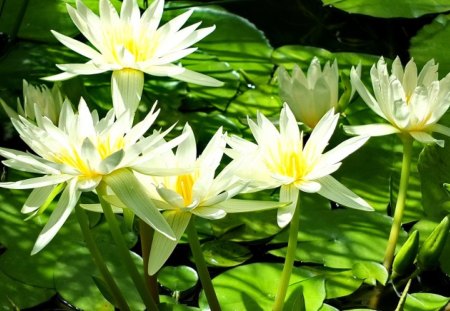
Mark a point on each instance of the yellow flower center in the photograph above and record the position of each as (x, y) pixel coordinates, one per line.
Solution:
(287, 162)
(184, 186)
(72, 157)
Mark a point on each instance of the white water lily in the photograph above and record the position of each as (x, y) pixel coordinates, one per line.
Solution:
(37, 100)
(412, 103)
(279, 158)
(78, 154)
(199, 192)
(130, 45)
(313, 94)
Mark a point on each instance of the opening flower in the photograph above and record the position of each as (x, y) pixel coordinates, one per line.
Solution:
(280, 158)
(199, 192)
(412, 103)
(78, 154)
(313, 94)
(131, 45)
(37, 100)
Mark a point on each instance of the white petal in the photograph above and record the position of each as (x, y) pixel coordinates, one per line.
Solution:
(197, 78)
(66, 203)
(186, 154)
(371, 129)
(127, 86)
(337, 192)
(36, 198)
(342, 150)
(243, 206)
(81, 69)
(321, 135)
(173, 198)
(210, 212)
(288, 194)
(60, 77)
(128, 189)
(163, 247)
(426, 138)
(77, 46)
(37, 182)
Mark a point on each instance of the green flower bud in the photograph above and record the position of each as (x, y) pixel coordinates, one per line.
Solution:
(432, 247)
(405, 257)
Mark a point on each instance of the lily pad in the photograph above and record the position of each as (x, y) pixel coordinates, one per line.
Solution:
(341, 238)
(425, 302)
(427, 43)
(15, 294)
(177, 279)
(371, 272)
(220, 253)
(239, 289)
(388, 9)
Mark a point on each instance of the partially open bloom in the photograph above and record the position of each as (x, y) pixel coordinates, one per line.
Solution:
(281, 159)
(198, 192)
(37, 100)
(78, 154)
(131, 45)
(313, 94)
(412, 103)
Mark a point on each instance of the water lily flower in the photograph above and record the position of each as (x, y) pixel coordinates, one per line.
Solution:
(37, 100)
(199, 192)
(280, 158)
(412, 103)
(78, 154)
(130, 45)
(313, 94)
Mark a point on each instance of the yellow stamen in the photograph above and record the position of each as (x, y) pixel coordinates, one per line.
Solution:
(184, 187)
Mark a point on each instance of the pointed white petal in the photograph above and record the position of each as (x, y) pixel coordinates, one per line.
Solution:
(127, 86)
(371, 129)
(288, 194)
(36, 182)
(60, 77)
(77, 46)
(426, 138)
(81, 69)
(66, 203)
(186, 154)
(210, 212)
(36, 198)
(162, 247)
(243, 206)
(337, 192)
(197, 78)
(173, 198)
(128, 189)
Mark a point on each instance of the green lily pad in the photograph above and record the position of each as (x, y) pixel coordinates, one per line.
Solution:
(236, 41)
(387, 9)
(425, 302)
(177, 279)
(340, 238)
(341, 283)
(239, 289)
(15, 294)
(74, 280)
(371, 272)
(434, 168)
(428, 42)
(308, 296)
(220, 253)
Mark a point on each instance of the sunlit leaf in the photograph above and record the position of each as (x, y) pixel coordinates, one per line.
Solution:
(219, 253)
(386, 8)
(179, 278)
(425, 302)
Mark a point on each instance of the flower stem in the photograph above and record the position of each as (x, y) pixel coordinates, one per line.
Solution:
(289, 260)
(123, 250)
(201, 266)
(400, 205)
(146, 233)
(402, 300)
(98, 260)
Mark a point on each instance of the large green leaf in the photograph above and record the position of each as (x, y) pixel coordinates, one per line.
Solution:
(434, 168)
(425, 302)
(386, 8)
(340, 238)
(428, 43)
(41, 17)
(239, 289)
(15, 294)
(219, 253)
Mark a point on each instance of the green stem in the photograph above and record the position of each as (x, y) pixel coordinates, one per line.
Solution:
(400, 205)
(123, 250)
(201, 266)
(146, 233)
(402, 300)
(98, 260)
(289, 260)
